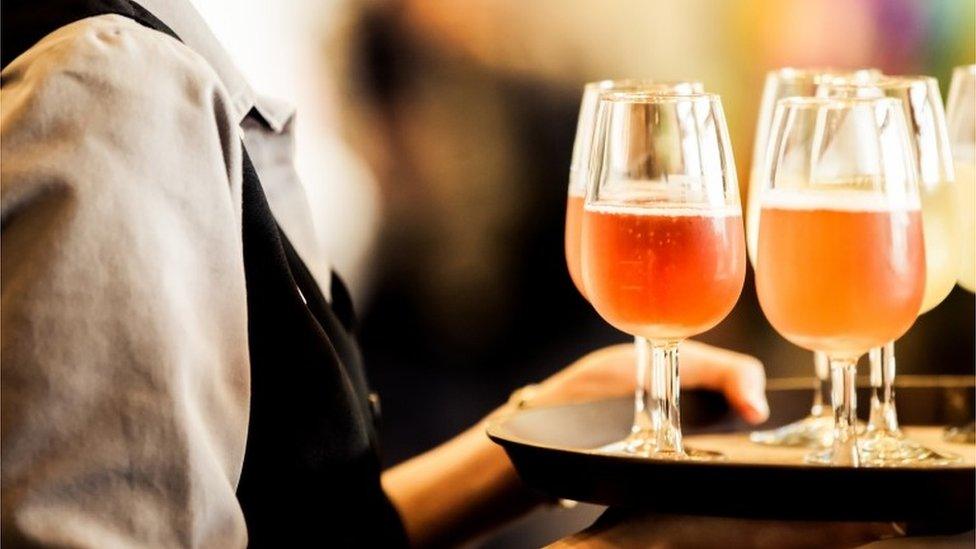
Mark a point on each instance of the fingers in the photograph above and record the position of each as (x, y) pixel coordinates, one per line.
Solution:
(609, 372)
(604, 373)
(739, 376)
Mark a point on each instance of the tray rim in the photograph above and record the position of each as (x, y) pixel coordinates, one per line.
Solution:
(505, 441)
(746, 489)
(864, 381)
(497, 432)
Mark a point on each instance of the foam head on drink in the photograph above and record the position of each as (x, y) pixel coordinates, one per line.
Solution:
(841, 271)
(663, 272)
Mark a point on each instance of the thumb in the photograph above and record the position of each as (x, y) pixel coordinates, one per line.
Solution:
(745, 388)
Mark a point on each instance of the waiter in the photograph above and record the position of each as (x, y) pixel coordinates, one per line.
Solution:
(178, 367)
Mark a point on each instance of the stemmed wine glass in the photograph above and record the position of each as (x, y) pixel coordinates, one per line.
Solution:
(817, 428)
(642, 432)
(841, 259)
(883, 442)
(961, 118)
(663, 251)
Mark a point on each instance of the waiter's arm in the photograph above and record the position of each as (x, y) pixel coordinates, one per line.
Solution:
(467, 485)
(124, 336)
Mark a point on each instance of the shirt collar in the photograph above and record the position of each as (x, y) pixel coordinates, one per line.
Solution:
(187, 23)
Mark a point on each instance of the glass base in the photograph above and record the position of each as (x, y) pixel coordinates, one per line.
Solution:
(961, 433)
(690, 454)
(809, 432)
(884, 449)
(639, 442)
(648, 449)
(887, 450)
(822, 457)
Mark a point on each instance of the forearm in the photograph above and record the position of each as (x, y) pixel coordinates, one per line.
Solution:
(461, 488)
(467, 484)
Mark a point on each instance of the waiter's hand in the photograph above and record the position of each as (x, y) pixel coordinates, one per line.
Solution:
(610, 372)
(467, 484)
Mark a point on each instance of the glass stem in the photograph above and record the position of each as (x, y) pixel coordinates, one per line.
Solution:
(843, 397)
(645, 418)
(884, 415)
(665, 392)
(821, 367)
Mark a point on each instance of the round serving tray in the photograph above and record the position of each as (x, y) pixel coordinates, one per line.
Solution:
(556, 451)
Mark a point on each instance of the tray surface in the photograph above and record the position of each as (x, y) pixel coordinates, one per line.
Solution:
(556, 450)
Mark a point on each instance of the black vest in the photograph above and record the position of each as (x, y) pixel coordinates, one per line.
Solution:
(311, 473)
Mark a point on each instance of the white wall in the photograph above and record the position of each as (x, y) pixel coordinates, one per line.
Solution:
(280, 47)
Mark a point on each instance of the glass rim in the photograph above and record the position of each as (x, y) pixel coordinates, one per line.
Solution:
(798, 102)
(971, 69)
(797, 72)
(610, 84)
(887, 81)
(643, 97)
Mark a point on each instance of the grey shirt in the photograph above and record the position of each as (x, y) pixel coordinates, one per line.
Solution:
(125, 374)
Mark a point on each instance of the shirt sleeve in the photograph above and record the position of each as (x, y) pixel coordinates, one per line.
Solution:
(125, 375)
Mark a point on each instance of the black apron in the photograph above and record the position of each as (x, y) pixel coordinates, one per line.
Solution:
(311, 473)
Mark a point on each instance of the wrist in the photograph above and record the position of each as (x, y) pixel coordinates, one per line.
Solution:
(522, 398)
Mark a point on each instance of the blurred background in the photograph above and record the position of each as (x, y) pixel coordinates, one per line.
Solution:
(434, 140)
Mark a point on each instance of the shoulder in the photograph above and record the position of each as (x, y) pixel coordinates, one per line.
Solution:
(106, 105)
(110, 59)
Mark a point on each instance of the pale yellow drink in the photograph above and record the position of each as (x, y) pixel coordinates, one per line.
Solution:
(966, 186)
(939, 229)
